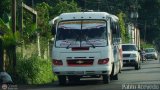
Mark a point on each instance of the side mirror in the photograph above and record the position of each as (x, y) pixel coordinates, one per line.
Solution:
(53, 30)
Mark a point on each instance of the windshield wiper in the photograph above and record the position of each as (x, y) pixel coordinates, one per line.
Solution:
(69, 45)
(88, 42)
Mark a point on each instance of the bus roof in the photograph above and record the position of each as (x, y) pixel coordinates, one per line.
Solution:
(114, 18)
(85, 15)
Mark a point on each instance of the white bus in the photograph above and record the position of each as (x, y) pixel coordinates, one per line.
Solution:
(86, 44)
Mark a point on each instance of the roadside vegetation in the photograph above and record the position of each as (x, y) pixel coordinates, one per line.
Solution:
(34, 70)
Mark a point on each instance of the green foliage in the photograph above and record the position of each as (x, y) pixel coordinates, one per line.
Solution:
(64, 7)
(29, 33)
(43, 27)
(5, 7)
(146, 45)
(50, 2)
(43, 19)
(149, 15)
(29, 28)
(9, 39)
(34, 70)
(122, 27)
(44, 48)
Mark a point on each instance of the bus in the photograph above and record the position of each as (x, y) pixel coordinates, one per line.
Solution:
(86, 44)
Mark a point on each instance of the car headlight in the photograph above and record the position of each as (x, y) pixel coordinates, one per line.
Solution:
(133, 55)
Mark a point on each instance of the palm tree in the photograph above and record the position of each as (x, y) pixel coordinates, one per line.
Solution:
(9, 40)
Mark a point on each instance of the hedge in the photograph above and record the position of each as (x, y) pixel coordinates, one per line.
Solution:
(34, 70)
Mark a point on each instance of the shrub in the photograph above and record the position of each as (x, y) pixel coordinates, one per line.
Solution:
(146, 45)
(34, 70)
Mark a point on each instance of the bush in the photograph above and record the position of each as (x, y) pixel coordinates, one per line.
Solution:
(146, 45)
(34, 70)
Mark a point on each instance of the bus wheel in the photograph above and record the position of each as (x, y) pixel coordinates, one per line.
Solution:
(62, 80)
(73, 79)
(106, 79)
(115, 77)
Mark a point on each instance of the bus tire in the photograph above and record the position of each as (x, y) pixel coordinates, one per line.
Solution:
(62, 80)
(73, 79)
(106, 79)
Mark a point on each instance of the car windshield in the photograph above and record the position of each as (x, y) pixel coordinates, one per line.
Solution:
(81, 33)
(149, 50)
(129, 48)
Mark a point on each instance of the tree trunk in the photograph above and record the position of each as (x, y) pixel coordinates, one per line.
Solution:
(14, 30)
(1, 56)
(48, 51)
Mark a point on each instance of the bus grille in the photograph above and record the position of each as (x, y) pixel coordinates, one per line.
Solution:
(80, 62)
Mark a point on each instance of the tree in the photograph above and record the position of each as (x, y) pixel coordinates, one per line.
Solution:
(149, 17)
(123, 27)
(5, 7)
(43, 18)
(35, 2)
(63, 7)
(9, 39)
(1, 53)
(43, 26)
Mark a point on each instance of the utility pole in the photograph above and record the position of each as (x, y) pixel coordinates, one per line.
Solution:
(14, 30)
(98, 5)
(14, 16)
(84, 5)
(20, 17)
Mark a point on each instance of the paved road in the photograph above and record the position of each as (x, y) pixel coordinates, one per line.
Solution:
(147, 77)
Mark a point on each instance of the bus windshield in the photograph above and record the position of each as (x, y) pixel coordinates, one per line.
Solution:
(82, 33)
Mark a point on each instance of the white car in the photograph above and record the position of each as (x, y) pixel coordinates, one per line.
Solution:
(131, 56)
(151, 53)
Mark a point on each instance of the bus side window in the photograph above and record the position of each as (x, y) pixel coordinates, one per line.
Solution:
(113, 27)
